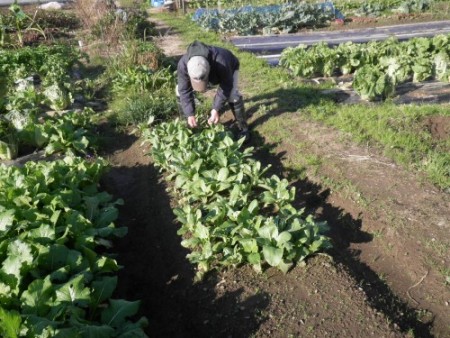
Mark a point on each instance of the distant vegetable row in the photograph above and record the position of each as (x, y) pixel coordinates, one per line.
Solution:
(269, 19)
(290, 17)
(378, 67)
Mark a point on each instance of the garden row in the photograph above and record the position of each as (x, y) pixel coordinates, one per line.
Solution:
(378, 66)
(290, 17)
(230, 211)
(54, 282)
(58, 274)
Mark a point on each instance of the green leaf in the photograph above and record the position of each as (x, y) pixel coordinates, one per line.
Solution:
(94, 331)
(19, 256)
(55, 217)
(272, 255)
(249, 244)
(268, 231)
(118, 311)
(55, 258)
(223, 174)
(103, 289)
(10, 322)
(44, 234)
(201, 231)
(316, 245)
(112, 230)
(6, 219)
(73, 292)
(253, 207)
(107, 216)
(284, 237)
(284, 267)
(190, 242)
(92, 203)
(40, 326)
(254, 258)
(105, 264)
(134, 330)
(36, 299)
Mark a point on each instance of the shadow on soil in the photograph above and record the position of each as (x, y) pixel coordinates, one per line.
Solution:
(286, 101)
(155, 269)
(344, 230)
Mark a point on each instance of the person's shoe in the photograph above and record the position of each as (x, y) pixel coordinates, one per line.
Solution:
(246, 134)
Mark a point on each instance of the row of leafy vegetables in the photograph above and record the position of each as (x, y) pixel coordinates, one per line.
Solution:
(250, 20)
(290, 17)
(32, 82)
(57, 274)
(54, 282)
(231, 212)
(378, 66)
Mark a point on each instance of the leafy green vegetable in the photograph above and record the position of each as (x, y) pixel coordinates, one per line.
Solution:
(230, 213)
(52, 281)
(57, 97)
(370, 83)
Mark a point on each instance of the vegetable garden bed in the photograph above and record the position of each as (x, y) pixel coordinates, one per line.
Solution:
(263, 222)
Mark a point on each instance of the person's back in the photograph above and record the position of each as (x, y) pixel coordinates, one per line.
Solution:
(203, 64)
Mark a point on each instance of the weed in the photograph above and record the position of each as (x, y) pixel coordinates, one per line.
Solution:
(378, 233)
(440, 248)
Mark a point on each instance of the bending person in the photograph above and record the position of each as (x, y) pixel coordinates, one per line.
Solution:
(203, 64)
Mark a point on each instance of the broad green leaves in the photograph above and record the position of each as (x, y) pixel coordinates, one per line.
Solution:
(230, 212)
(52, 281)
(250, 20)
(378, 66)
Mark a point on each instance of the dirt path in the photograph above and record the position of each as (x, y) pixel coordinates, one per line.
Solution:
(382, 279)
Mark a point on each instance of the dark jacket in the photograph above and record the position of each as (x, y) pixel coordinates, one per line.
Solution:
(223, 64)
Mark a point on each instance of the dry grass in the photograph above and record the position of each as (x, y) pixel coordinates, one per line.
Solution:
(98, 18)
(90, 12)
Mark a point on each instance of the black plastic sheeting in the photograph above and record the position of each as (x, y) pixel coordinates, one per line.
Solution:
(270, 47)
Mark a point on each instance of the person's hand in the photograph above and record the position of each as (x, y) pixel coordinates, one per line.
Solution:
(214, 119)
(192, 122)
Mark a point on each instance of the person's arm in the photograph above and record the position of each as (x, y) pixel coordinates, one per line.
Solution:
(185, 89)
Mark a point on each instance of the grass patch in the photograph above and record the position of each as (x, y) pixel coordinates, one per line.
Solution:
(398, 130)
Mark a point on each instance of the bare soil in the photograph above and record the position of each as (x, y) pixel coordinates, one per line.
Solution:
(385, 276)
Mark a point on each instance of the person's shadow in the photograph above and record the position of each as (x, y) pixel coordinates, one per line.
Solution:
(284, 101)
(345, 229)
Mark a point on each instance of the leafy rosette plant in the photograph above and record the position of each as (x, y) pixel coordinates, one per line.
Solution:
(57, 97)
(397, 68)
(9, 143)
(371, 83)
(230, 212)
(422, 69)
(298, 60)
(442, 66)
